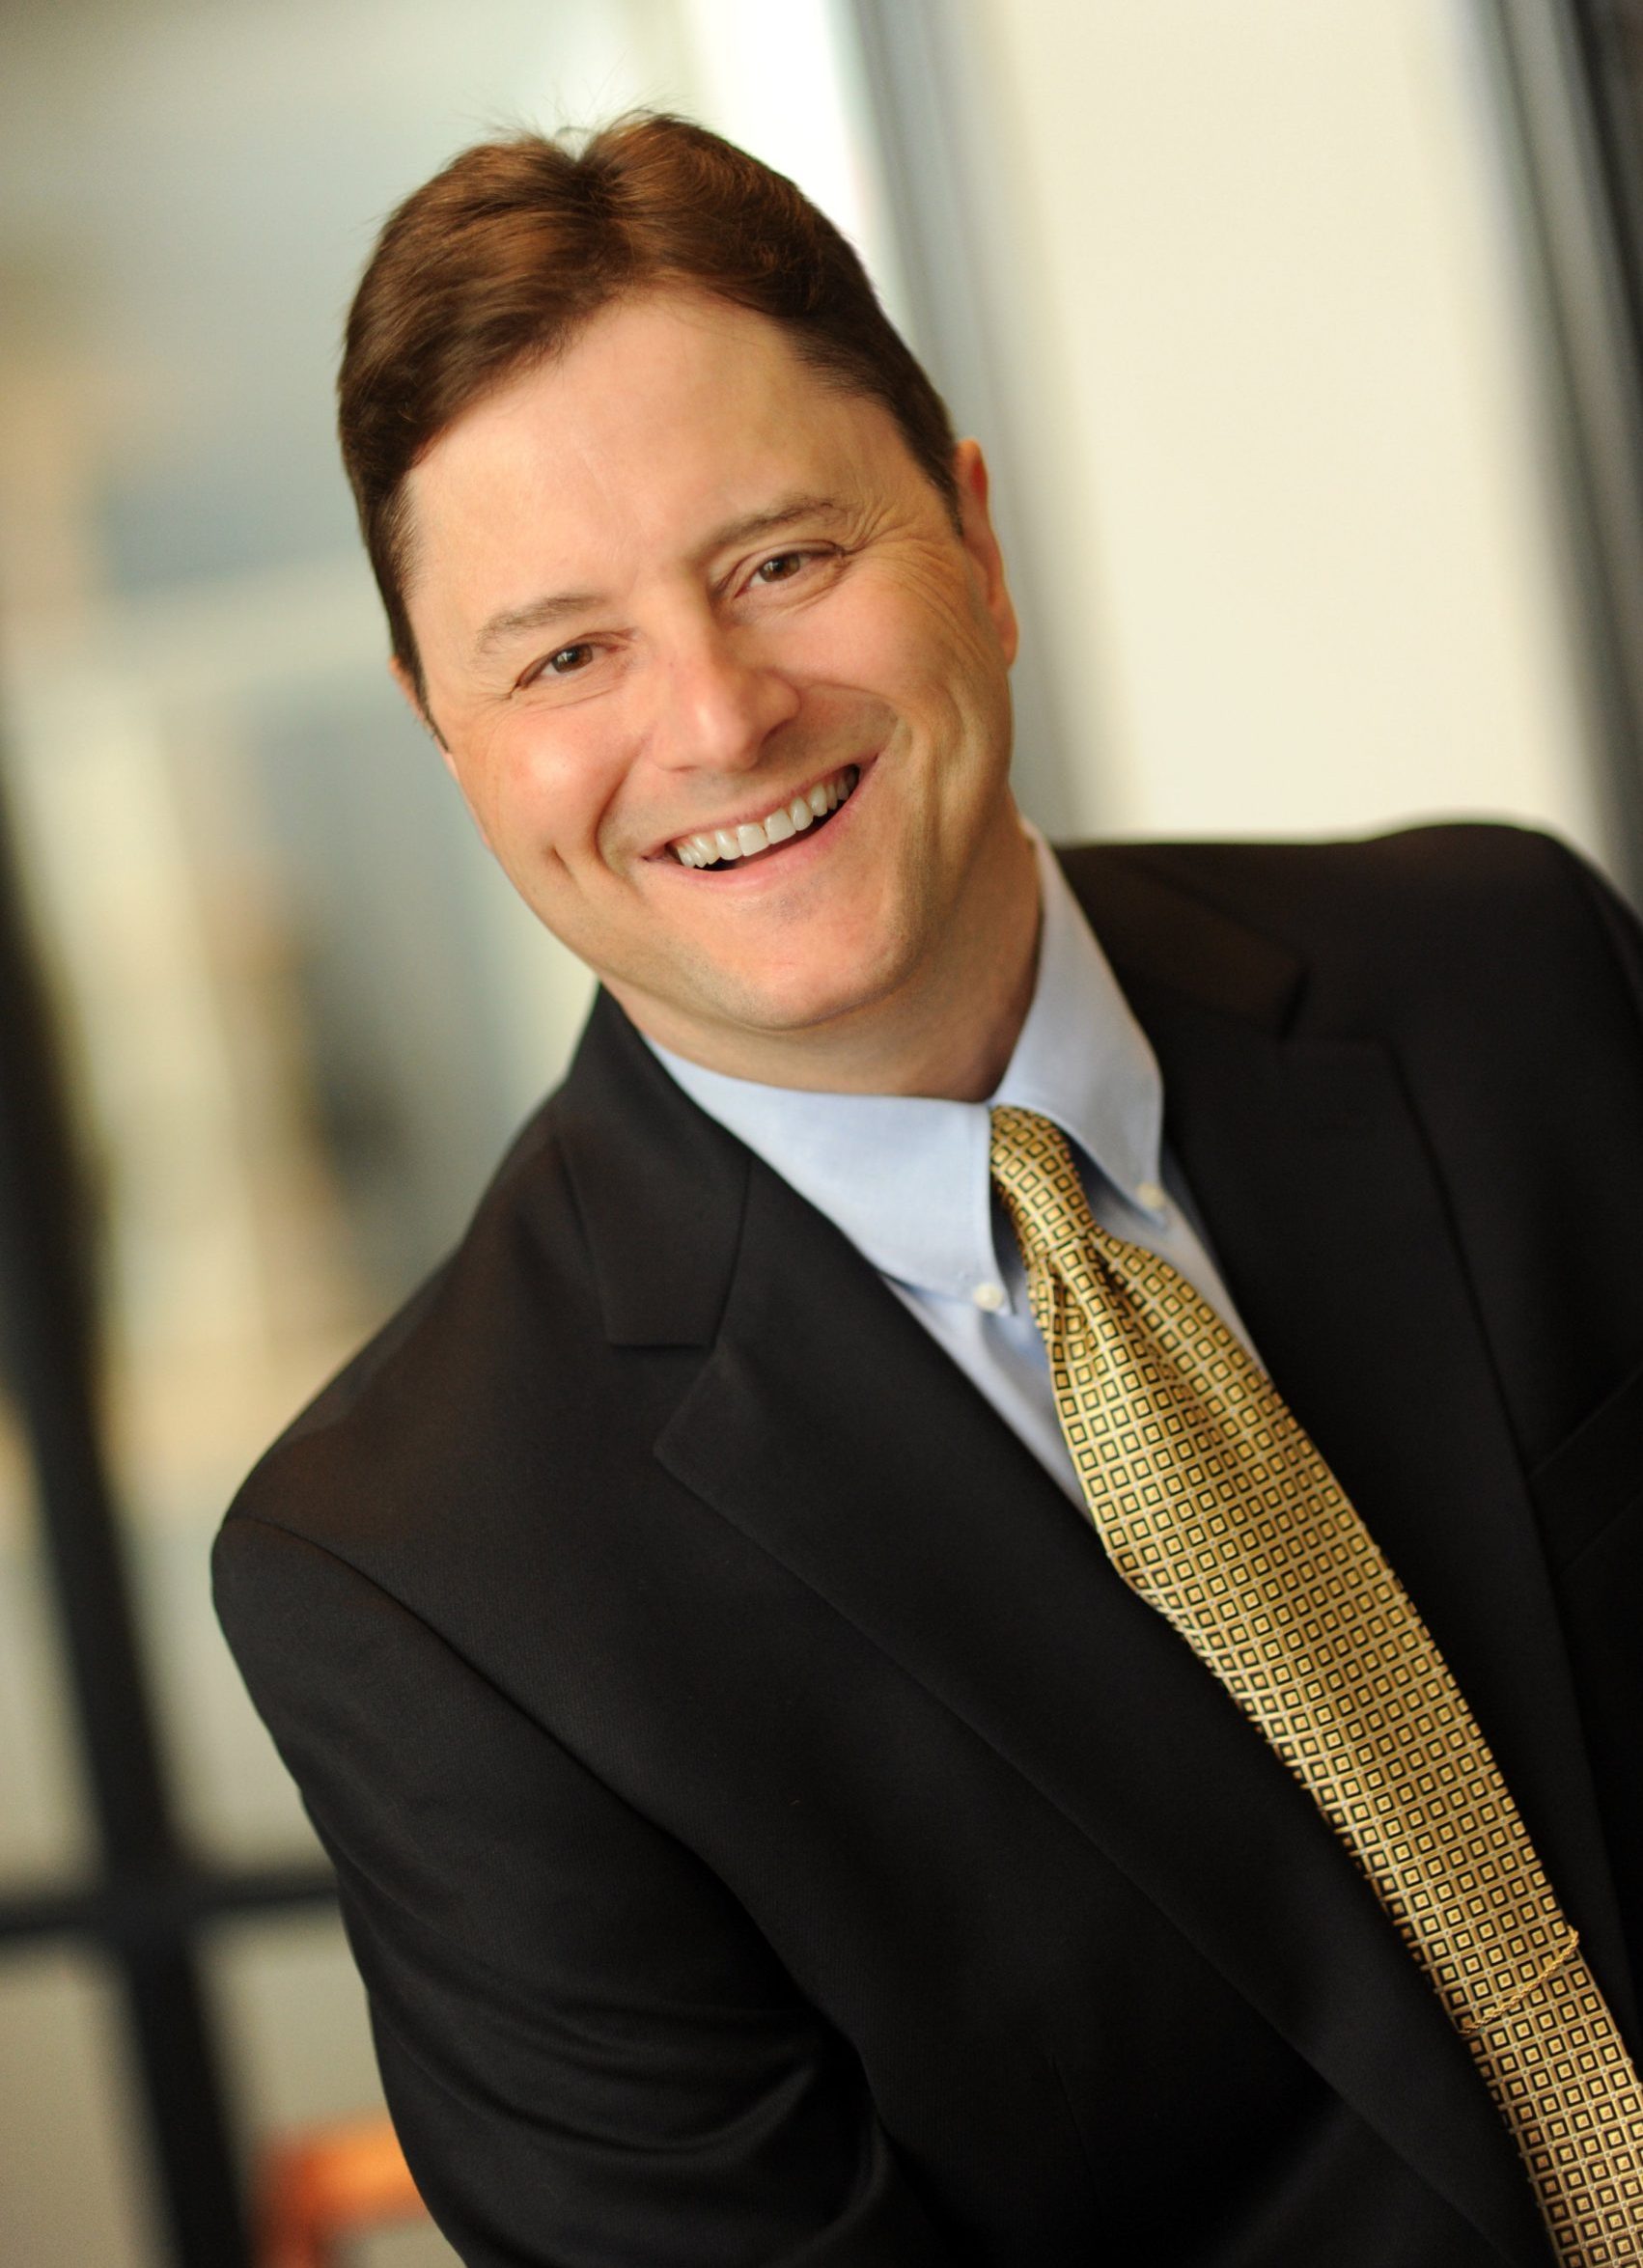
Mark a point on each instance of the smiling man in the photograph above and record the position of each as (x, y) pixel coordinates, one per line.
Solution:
(990, 1617)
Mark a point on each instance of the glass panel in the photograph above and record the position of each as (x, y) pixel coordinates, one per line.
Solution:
(298, 2040)
(403, 2247)
(69, 2189)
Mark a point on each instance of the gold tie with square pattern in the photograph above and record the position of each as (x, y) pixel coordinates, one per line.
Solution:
(1214, 1505)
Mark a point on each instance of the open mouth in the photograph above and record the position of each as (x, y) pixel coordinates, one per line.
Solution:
(726, 846)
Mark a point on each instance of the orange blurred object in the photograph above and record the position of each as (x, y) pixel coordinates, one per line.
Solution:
(320, 2189)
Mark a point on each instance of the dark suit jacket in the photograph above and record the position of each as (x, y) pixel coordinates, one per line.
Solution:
(769, 1828)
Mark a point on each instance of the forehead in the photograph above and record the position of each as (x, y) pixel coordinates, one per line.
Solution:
(664, 407)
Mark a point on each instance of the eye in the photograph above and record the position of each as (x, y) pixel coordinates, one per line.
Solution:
(782, 567)
(569, 662)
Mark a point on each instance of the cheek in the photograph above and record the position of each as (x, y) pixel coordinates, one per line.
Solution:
(918, 639)
(538, 793)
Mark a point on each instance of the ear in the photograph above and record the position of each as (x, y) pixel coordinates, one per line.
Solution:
(976, 531)
(413, 700)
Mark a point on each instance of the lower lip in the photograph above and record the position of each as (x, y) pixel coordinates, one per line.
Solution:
(791, 859)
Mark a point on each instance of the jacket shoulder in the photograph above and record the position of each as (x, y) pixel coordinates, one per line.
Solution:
(1402, 924)
(1299, 889)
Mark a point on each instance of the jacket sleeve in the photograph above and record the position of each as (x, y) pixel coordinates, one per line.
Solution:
(590, 2055)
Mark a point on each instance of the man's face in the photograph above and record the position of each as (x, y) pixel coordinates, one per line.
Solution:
(674, 594)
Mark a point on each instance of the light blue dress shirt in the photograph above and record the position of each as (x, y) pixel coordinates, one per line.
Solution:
(906, 1176)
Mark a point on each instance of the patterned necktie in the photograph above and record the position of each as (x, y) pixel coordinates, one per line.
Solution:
(1213, 1504)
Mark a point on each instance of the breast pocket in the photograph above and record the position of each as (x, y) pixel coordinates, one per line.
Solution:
(1593, 1479)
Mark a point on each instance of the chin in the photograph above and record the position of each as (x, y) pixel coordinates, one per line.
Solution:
(809, 998)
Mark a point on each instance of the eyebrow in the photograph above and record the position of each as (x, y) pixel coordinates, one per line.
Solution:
(541, 613)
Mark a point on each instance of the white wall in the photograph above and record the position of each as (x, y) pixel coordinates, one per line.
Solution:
(1287, 462)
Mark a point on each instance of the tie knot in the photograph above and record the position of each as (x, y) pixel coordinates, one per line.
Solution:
(1034, 1169)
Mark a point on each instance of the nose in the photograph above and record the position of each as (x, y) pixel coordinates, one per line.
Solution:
(716, 701)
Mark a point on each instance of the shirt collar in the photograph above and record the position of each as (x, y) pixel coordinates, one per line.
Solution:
(906, 1176)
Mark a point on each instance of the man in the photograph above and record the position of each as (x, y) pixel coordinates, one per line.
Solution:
(853, 1725)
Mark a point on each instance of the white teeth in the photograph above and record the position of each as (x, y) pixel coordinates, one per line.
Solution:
(725, 844)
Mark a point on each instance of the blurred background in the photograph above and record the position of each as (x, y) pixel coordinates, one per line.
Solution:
(1304, 344)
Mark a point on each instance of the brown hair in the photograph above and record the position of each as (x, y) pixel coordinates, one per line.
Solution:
(502, 258)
